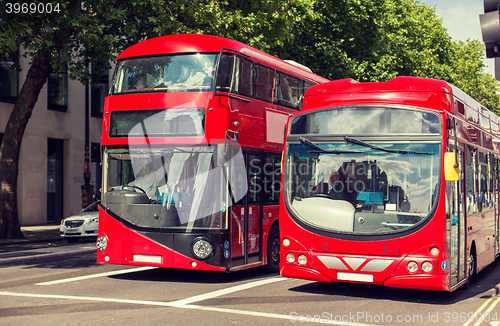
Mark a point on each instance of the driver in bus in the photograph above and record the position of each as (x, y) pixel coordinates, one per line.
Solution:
(336, 185)
(141, 82)
(334, 188)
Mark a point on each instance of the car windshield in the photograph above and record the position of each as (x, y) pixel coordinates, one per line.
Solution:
(170, 187)
(175, 73)
(94, 207)
(362, 187)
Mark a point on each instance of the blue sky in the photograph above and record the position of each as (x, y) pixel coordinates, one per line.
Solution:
(461, 19)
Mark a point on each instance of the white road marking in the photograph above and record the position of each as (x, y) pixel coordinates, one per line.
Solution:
(86, 277)
(487, 312)
(183, 304)
(177, 304)
(221, 292)
(277, 316)
(480, 309)
(71, 297)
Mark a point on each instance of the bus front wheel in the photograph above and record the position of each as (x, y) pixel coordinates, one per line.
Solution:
(273, 250)
(472, 263)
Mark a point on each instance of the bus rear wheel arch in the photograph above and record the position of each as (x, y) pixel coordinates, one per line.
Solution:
(471, 267)
(472, 263)
(273, 249)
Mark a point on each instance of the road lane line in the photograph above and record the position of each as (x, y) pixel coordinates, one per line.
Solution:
(277, 316)
(487, 311)
(480, 308)
(70, 297)
(86, 277)
(185, 306)
(221, 292)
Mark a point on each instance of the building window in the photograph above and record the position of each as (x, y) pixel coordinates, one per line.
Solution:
(9, 80)
(57, 85)
(98, 93)
(58, 92)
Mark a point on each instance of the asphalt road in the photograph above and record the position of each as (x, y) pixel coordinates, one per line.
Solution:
(75, 290)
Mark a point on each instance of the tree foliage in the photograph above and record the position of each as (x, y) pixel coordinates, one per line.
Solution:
(377, 40)
(468, 74)
(94, 32)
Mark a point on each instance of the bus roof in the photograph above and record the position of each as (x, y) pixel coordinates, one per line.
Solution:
(402, 84)
(199, 43)
(378, 91)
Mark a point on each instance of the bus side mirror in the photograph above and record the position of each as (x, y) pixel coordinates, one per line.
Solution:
(450, 171)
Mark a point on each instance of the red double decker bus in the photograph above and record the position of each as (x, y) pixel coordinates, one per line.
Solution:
(392, 183)
(192, 137)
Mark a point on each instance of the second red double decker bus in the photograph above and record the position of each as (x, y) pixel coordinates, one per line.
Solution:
(192, 137)
(392, 183)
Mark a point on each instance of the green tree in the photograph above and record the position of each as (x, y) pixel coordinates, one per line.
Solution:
(335, 37)
(414, 43)
(468, 74)
(377, 40)
(93, 31)
(370, 40)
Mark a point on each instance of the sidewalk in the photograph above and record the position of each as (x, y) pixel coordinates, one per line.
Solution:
(35, 234)
(40, 243)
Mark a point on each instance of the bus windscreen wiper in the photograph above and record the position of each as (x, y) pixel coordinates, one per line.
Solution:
(399, 151)
(321, 150)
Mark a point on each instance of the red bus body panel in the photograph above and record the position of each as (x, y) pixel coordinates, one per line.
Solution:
(124, 243)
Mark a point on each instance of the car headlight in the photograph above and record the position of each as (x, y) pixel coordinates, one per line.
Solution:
(94, 220)
(202, 248)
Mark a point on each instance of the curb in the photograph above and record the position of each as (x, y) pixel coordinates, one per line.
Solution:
(13, 242)
(35, 258)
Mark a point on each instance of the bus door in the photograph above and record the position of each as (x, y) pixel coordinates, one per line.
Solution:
(495, 168)
(456, 205)
(246, 216)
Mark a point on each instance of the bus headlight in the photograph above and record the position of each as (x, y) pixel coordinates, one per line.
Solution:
(434, 251)
(302, 260)
(427, 266)
(102, 243)
(202, 248)
(286, 242)
(290, 258)
(412, 267)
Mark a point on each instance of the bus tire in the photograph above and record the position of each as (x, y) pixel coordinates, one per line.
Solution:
(472, 270)
(273, 250)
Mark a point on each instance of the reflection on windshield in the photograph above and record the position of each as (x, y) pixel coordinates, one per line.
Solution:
(176, 187)
(366, 192)
(180, 73)
(367, 120)
(176, 122)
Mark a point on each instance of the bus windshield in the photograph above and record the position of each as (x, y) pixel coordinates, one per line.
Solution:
(169, 187)
(172, 73)
(362, 187)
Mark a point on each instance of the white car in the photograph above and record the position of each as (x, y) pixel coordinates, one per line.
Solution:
(83, 225)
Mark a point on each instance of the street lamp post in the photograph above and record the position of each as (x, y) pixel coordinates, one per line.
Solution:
(87, 188)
